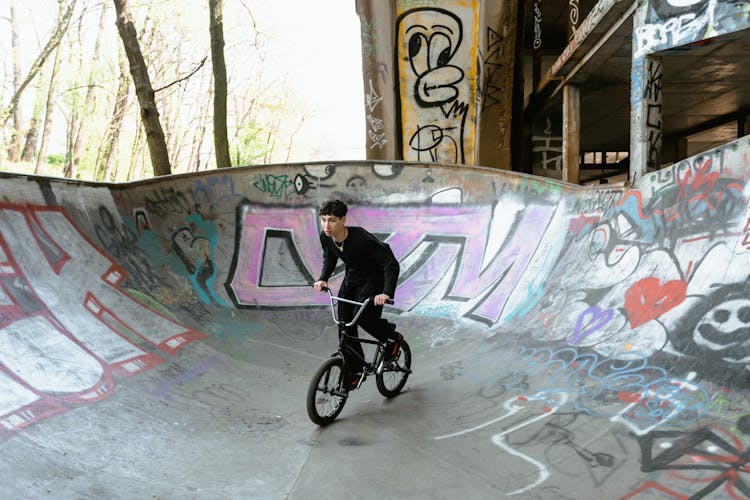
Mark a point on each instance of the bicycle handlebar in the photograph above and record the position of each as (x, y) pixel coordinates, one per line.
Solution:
(361, 305)
(330, 293)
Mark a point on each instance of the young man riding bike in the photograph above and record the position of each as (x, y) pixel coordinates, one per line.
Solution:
(371, 271)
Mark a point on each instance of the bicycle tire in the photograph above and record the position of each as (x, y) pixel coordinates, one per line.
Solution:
(325, 398)
(393, 377)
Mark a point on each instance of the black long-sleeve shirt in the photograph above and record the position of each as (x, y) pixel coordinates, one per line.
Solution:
(371, 268)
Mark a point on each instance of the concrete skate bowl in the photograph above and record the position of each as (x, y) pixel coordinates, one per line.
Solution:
(157, 338)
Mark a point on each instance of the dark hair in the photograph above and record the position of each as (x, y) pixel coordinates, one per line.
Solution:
(333, 207)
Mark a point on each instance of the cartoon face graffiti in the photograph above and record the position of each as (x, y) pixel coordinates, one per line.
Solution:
(432, 37)
(437, 73)
(725, 330)
(717, 329)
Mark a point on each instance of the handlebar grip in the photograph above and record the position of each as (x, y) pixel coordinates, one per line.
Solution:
(389, 301)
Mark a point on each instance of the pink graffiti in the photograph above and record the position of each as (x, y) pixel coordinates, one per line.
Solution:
(424, 240)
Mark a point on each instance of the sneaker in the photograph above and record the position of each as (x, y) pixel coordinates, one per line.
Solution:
(391, 348)
(352, 381)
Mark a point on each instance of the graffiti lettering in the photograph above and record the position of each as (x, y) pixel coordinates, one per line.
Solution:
(277, 186)
(80, 337)
(430, 255)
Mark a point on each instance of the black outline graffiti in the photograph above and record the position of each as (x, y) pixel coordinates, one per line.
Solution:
(286, 236)
(688, 445)
(683, 335)
(421, 89)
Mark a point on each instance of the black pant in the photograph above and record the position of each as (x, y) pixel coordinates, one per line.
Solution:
(373, 324)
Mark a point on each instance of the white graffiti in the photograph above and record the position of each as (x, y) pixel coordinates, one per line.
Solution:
(68, 327)
(514, 406)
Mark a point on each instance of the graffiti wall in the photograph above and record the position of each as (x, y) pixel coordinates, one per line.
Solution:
(437, 73)
(671, 23)
(438, 77)
(615, 305)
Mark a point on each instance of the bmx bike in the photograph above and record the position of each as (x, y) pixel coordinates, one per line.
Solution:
(327, 393)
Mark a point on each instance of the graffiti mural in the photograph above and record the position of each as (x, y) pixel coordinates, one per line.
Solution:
(66, 328)
(437, 75)
(426, 250)
(670, 23)
(600, 334)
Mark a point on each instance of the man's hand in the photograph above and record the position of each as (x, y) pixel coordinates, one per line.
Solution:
(319, 285)
(381, 299)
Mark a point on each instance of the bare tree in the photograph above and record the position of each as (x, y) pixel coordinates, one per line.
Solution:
(49, 108)
(61, 27)
(14, 150)
(89, 101)
(32, 136)
(144, 91)
(216, 28)
(73, 94)
(112, 135)
(135, 152)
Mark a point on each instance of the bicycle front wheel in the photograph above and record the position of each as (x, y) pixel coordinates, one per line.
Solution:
(394, 374)
(325, 396)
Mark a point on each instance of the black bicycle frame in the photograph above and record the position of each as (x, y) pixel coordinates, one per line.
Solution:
(343, 325)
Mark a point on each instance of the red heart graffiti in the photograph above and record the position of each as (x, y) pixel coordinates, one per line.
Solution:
(648, 299)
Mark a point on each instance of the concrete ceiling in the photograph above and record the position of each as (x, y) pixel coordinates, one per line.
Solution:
(706, 87)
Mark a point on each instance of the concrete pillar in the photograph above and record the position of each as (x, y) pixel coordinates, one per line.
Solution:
(645, 116)
(571, 134)
(645, 106)
(497, 39)
(382, 128)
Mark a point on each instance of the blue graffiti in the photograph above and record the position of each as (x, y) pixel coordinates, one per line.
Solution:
(591, 378)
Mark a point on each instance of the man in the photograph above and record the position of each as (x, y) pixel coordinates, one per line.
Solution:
(371, 271)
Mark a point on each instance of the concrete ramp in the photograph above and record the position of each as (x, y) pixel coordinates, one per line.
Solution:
(157, 338)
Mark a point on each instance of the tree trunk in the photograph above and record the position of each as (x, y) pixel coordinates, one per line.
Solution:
(135, 152)
(112, 136)
(14, 151)
(199, 134)
(32, 136)
(89, 102)
(75, 66)
(149, 113)
(216, 29)
(47, 130)
(174, 128)
(60, 29)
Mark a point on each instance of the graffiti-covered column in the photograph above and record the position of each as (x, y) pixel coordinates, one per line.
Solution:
(645, 116)
(436, 80)
(497, 41)
(376, 27)
(642, 101)
(571, 134)
(439, 78)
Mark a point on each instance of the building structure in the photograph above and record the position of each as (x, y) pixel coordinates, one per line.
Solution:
(583, 91)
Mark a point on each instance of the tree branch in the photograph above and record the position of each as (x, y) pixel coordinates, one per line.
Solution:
(200, 65)
(62, 25)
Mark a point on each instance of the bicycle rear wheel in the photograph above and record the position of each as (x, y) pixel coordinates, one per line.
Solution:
(394, 375)
(325, 396)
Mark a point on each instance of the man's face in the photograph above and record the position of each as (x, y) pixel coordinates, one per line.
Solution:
(332, 225)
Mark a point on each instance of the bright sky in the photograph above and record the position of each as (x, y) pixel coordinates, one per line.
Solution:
(317, 44)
